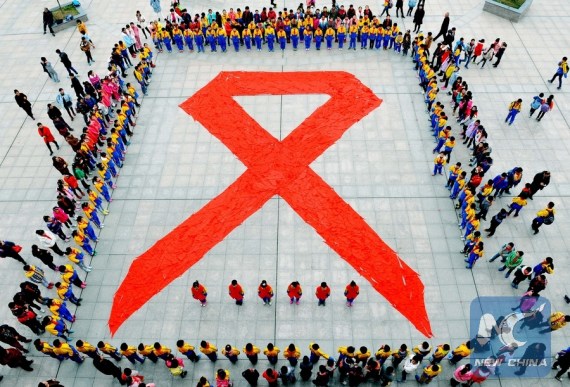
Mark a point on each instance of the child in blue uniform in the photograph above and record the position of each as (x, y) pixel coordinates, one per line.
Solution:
(199, 38)
(167, 41)
(308, 38)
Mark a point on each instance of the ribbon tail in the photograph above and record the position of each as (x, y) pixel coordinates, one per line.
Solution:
(357, 243)
(180, 249)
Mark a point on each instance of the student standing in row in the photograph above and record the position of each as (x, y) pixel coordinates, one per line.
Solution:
(199, 292)
(236, 292)
(351, 292)
(323, 292)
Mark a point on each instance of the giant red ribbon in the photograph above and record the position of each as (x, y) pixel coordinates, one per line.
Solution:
(276, 168)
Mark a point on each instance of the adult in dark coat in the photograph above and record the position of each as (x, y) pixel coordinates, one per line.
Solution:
(60, 164)
(44, 256)
(11, 337)
(66, 204)
(8, 249)
(22, 101)
(419, 18)
(66, 62)
(22, 298)
(563, 362)
(444, 27)
(62, 127)
(107, 367)
(48, 21)
(13, 358)
(77, 87)
(539, 181)
(537, 284)
(53, 112)
(251, 375)
(27, 317)
(449, 37)
(247, 16)
(32, 292)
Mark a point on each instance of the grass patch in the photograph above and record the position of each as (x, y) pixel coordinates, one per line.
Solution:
(64, 11)
(512, 3)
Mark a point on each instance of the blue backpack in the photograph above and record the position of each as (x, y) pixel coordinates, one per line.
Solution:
(536, 102)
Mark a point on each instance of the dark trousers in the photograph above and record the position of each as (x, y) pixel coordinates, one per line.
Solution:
(401, 11)
(35, 326)
(70, 69)
(455, 358)
(518, 280)
(61, 234)
(417, 27)
(89, 57)
(115, 355)
(49, 147)
(493, 227)
(13, 342)
(28, 110)
(55, 248)
(50, 29)
(17, 257)
(498, 61)
(21, 362)
(86, 123)
(79, 92)
(536, 223)
(410, 10)
(127, 60)
(70, 111)
(563, 368)
(559, 76)
(153, 358)
(508, 271)
(441, 33)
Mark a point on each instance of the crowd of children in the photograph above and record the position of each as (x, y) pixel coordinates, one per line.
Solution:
(474, 196)
(108, 105)
(354, 366)
(332, 28)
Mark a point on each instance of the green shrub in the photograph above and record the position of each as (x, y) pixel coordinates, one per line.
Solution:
(64, 11)
(512, 3)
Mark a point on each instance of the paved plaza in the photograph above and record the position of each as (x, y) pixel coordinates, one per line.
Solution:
(381, 166)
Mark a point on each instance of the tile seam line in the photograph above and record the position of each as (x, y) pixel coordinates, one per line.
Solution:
(277, 223)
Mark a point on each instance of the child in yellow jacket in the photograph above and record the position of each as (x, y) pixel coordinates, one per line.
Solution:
(517, 205)
(438, 164)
